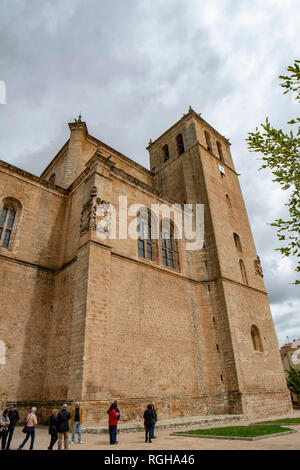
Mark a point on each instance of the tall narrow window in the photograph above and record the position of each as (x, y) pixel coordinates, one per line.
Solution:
(166, 153)
(8, 214)
(180, 144)
(237, 242)
(256, 339)
(228, 201)
(207, 140)
(220, 151)
(169, 250)
(243, 271)
(146, 245)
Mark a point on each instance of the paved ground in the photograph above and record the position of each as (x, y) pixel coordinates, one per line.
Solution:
(165, 441)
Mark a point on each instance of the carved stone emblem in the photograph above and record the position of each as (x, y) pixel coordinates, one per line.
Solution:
(257, 267)
(103, 217)
(95, 214)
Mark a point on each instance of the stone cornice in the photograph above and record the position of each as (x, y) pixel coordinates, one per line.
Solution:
(33, 178)
(182, 276)
(133, 260)
(197, 144)
(101, 159)
(246, 286)
(118, 173)
(78, 180)
(123, 157)
(220, 162)
(37, 266)
(27, 263)
(141, 185)
(78, 125)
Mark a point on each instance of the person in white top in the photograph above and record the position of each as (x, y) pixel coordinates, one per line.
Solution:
(31, 423)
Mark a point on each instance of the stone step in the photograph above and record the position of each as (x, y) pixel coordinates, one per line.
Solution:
(170, 423)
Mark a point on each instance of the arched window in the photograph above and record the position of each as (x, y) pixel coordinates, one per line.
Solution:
(237, 242)
(207, 140)
(169, 246)
(180, 144)
(220, 151)
(147, 247)
(243, 271)
(166, 153)
(9, 211)
(256, 339)
(228, 201)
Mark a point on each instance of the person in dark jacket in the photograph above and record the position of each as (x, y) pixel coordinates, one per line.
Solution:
(4, 423)
(13, 418)
(76, 422)
(149, 420)
(62, 427)
(153, 425)
(53, 429)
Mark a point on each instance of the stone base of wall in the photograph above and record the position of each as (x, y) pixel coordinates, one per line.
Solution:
(266, 404)
(132, 409)
(252, 405)
(43, 409)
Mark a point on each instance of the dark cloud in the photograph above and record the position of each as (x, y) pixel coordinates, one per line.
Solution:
(132, 69)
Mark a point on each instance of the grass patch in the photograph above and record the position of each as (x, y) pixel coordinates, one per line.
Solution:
(240, 431)
(282, 421)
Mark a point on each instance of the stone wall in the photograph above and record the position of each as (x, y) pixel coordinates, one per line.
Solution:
(87, 319)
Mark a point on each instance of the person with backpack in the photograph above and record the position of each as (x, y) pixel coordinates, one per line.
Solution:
(149, 420)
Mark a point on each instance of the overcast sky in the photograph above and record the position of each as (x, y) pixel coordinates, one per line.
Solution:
(132, 68)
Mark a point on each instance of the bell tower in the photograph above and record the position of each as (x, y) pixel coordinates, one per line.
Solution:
(192, 163)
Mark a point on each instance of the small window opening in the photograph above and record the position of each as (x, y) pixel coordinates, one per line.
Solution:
(207, 140)
(220, 151)
(166, 153)
(180, 144)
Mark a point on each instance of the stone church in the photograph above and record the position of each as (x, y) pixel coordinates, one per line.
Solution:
(139, 320)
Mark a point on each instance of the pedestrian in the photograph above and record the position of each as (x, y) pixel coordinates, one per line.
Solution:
(76, 421)
(153, 425)
(112, 423)
(118, 414)
(13, 418)
(4, 423)
(63, 426)
(117, 410)
(149, 419)
(31, 423)
(53, 429)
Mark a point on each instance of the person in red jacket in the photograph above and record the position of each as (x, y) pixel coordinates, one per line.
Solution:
(112, 423)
